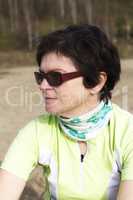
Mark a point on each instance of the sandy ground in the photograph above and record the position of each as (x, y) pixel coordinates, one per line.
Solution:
(20, 101)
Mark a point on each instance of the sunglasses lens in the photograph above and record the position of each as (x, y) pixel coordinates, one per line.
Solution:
(54, 78)
(39, 77)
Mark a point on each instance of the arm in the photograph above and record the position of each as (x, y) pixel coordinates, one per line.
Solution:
(125, 190)
(11, 186)
(20, 160)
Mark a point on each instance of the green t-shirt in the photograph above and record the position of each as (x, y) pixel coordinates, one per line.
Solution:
(109, 157)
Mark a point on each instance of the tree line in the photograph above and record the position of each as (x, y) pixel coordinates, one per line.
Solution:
(21, 22)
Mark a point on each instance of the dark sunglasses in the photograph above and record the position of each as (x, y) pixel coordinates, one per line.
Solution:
(55, 78)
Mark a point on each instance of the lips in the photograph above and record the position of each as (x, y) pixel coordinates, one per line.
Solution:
(49, 98)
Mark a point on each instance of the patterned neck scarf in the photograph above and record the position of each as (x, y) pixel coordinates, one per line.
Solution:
(87, 126)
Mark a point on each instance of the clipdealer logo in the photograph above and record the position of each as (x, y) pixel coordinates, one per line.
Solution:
(20, 96)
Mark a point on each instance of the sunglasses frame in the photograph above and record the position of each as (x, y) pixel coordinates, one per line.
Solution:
(62, 77)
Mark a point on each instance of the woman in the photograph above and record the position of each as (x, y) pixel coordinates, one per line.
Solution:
(85, 141)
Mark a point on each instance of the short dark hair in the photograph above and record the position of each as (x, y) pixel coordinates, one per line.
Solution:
(90, 50)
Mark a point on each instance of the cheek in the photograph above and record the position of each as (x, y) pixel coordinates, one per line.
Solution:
(71, 94)
(64, 94)
(72, 91)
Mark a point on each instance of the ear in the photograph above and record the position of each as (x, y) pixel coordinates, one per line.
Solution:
(100, 85)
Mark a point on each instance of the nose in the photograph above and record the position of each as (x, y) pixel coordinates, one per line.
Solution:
(44, 85)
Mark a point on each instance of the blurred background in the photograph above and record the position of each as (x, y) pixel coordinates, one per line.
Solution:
(21, 23)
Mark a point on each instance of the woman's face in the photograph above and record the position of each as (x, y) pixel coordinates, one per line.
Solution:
(69, 99)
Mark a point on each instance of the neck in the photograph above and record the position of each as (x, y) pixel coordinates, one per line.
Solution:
(87, 126)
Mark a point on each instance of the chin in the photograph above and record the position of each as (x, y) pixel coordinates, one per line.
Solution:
(57, 110)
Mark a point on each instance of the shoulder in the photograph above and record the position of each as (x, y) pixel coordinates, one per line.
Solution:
(122, 125)
(122, 116)
(38, 128)
(46, 119)
(45, 122)
(42, 121)
(43, 128)
(123, 121)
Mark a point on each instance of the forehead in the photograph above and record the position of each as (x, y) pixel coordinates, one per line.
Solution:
(57, 62)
